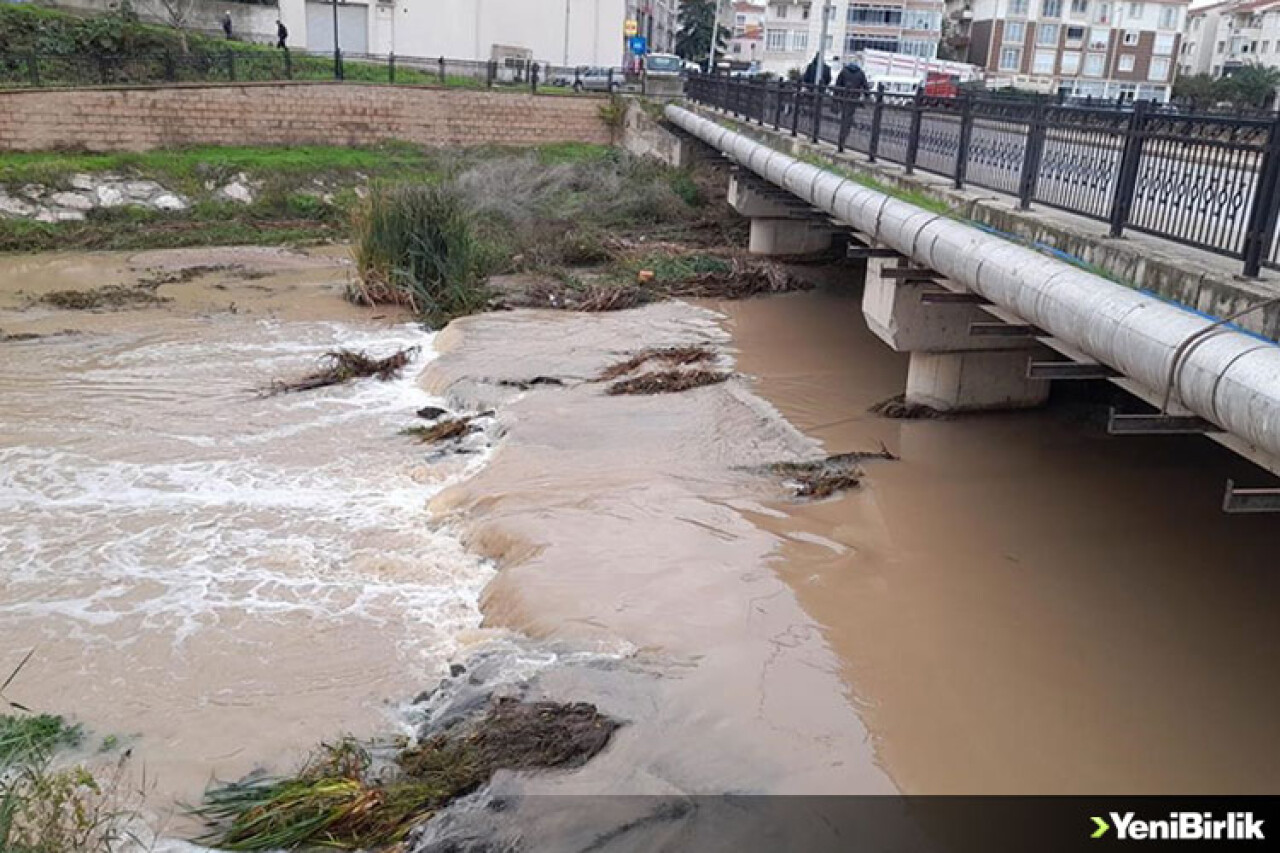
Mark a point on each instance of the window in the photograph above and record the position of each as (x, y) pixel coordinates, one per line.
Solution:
(1044, 61)
(1168, 17)
(740, 20)
(856, 43)
(1010, 58)
(1164, 44)
(926, 48)
(1126, 62)
(1079, 7)
(875, 16)
(775, 40)
(1266, 47)
(804, 12)
(1135, 10)
(778, 12)
(1131, 37)
(1015, 32)
(799, 40)
(1159, 69)
(1075, 36)
(1093, 64)
(1221, 46)
(737, 47)
(1018, 7)
(1099, 37)
(1070, 63)
(1102, 13)
(1047, 35)
(915, 19)
(1051, 8)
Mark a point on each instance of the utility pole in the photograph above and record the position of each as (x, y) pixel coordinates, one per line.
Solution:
(568, 5)
(822, 39)
(337, 50)
(715, 38)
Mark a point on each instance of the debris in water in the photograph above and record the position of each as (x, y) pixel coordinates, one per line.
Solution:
(526, 384)
(431, 413)
(443, 430)
(107, 296)
(674, 356)
(668, 381)
(745, 277)
(898, 408)
(341, 799)
(343, 365)
(823, 478)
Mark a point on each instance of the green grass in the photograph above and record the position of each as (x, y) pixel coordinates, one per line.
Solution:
(30, 737)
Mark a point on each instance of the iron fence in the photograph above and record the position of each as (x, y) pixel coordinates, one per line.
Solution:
(1203, 180)
(23, 70)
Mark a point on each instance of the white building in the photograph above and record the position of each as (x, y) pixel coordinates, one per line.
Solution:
(746, 43)
(912, 27)
(1199, 53)
(1226, 36)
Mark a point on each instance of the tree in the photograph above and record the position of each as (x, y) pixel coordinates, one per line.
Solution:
(1253, 85)
(698, 19)
(1197, 88)
(179, 14)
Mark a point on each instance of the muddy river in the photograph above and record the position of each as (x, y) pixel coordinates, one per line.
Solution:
(221, 578)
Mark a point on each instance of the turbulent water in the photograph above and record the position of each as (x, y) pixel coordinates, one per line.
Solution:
(229, 576)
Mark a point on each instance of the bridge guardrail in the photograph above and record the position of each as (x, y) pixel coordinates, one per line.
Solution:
(1207, 181)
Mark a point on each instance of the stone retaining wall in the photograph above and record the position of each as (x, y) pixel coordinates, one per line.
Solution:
(139, 119)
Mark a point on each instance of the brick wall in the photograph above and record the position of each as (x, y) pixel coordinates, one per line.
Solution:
(138, 119)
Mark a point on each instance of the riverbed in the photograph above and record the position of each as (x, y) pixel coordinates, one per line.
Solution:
(222, 578)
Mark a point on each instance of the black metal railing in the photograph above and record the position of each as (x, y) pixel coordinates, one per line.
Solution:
(1203, 180)
(232, 65)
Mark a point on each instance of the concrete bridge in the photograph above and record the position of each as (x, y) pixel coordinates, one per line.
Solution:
(990, 323)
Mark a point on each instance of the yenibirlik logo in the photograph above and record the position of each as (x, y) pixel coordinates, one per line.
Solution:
(1182, 826)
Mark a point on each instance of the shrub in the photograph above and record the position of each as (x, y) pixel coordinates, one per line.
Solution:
(418, 245)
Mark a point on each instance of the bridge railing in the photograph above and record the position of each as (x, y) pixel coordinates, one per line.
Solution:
(1200, 179)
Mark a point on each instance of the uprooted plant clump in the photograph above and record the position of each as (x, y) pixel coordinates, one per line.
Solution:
(898, 408)
(667, 382)
(673, 356)
(114, 296)
(342, 798)
(823, 478)
(343, 365)
(443, 429)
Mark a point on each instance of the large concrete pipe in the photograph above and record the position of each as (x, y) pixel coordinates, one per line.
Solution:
(1229, 378)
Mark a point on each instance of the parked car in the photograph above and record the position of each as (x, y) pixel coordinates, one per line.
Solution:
(599, 80)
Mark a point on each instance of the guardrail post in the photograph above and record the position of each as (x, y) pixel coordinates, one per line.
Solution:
(231, 65)
(966, 136)
(491, 71)
(913, 135)
(1260, 236)
(391, 68)
(777, 106)
(533, 78)
(33, 69)
(795, 109)
(1127, 181)
(876, 115)
(609, 81)
(846, 119)
(816, 130)
(762, 100)
(338, 72)
(440, 64)
(1031, 155)
(288, 64)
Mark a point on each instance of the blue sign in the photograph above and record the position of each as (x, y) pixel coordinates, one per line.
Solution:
(638, 45)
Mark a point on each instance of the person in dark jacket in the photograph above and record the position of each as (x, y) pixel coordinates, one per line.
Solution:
(817, 71)
(282, 35)
(853, 79)
(226, 24)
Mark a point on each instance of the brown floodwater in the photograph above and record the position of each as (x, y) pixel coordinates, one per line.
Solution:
(1023, 603)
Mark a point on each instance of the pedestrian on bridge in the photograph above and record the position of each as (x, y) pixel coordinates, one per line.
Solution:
(226, 24)
(282, 35)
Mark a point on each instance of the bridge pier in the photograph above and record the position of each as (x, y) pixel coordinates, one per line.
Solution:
(951, 367)
(780, 223)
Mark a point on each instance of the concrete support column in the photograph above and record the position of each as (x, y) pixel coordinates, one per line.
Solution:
(974, 380)
(789, 237)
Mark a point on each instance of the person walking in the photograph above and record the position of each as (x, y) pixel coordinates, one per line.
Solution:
(853, 80)
(226, 24)
(282, 35)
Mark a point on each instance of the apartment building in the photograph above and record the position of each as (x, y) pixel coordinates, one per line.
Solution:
(746, 44)
(1226, 36)
(656, 20)
(912, 27)
(1098, 48)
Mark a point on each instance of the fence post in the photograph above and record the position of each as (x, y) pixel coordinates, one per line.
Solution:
(338, 72)
(231, 65)
(288, 64)
(533, 78)
(777, 106)
(609, 81)
(1031, 157)
(913, 135)
(577, 78)
(1126, 183)
(876, 114)
(104, 70)
(816, 129)
(762, 101)
(795, 109)
(441, 66)
(846, 118)
(1260, 235)
(33, 69)
(966, 135)
(491, 71)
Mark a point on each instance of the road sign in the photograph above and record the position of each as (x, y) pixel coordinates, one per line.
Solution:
(630, 28)
(638, 45)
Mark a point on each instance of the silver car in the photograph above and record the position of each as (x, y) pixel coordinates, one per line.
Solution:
(599, 80)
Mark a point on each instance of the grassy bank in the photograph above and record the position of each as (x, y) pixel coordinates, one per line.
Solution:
(301, 195)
